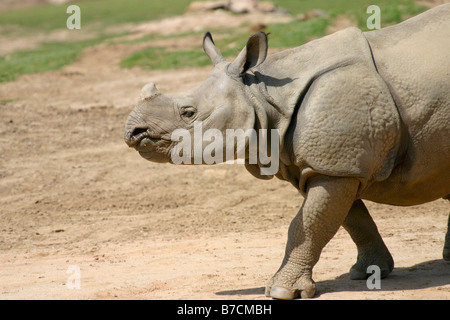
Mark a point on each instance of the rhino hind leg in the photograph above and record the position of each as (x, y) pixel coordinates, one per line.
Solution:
(370, 245)
(446, 252)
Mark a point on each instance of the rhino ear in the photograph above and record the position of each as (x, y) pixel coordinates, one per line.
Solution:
(253, 54)
(211, 50)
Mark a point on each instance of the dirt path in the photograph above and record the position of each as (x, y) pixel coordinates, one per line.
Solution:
(73, 194)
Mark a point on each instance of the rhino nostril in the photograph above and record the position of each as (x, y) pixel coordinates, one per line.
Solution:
(137, 131)
(136, 136)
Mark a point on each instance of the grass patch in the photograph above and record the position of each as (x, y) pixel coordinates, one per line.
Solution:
(6, 101)
(159, 58)
(296, 33)
(48, 56)
(337, 7)
(329, 6)
(392, 11)
(230, 42)
(96, 14)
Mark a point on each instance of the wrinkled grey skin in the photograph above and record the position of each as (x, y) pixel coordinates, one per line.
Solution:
(360, 116)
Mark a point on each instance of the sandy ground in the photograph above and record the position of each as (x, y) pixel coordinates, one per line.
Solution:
(73, 194)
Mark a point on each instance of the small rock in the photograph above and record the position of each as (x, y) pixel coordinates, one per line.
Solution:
(236, 6)
(266, 6)
(243, 6)
(200, 6)
(312, 14)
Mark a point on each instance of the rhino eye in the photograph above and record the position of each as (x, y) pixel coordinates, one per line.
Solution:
(187, 112)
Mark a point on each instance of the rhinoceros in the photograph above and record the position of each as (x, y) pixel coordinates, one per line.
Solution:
(359, 115)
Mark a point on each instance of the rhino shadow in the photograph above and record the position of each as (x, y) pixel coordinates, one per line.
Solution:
(269, 80)
(428, 274)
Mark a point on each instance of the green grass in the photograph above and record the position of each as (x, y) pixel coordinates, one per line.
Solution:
(6, 101)
(296, 33)
(95, 14)
(48, 56)
(159, 58)
(392, 12)
(335, 7)
(95, 17)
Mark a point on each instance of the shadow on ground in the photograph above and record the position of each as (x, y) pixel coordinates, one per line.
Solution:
(426, 274)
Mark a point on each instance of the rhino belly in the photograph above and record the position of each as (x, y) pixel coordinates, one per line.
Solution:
(423, 175)
(394, 191)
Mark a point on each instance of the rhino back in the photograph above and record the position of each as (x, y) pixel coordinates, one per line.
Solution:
(413, 57)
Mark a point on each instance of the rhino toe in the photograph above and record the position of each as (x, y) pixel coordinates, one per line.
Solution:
(283, 293)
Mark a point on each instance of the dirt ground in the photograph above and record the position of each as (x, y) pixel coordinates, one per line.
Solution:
(73, 194)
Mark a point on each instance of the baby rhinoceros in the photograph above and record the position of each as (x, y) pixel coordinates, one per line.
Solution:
(357, 115)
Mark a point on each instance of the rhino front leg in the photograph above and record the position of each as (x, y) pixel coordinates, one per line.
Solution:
(446, 253)
(371, 248)
(324, 209)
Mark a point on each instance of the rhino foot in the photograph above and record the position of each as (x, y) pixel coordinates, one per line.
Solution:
(303, 288)
(383, 260)
(446, 254)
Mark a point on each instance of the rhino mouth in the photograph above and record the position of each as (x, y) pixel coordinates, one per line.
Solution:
(151, 146)
(140, 138)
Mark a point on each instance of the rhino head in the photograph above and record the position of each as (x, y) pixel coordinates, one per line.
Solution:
(219, 103)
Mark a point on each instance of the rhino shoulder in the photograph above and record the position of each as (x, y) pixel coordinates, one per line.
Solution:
(347, 125)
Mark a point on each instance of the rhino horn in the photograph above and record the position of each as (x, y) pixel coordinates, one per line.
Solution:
(253, 54)
(149, 91)
(211, 49)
